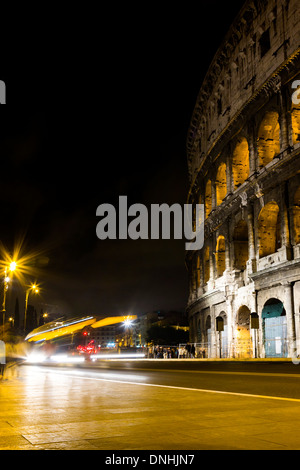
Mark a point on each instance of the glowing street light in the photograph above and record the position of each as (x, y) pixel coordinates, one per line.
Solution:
(128, 324)
(12, 266)
(34, 289)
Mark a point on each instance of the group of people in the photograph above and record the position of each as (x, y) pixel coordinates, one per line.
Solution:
(162, 352)
(169, 352)
(188, 351)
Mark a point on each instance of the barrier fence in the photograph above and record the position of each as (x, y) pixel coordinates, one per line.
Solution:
(277, 347)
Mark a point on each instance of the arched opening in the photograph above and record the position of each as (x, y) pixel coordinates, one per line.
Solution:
(221, 185)
(296, 217)
(240, 162)
(274, 329)
(243, 344)
(220, 256)
(240, 244)
(268, 140)
(269, 233)
(221, 327)
(206, 265)
(296, 123)
(208, 198)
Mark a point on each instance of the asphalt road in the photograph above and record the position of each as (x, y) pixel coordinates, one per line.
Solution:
(274, 379)
(152, 405)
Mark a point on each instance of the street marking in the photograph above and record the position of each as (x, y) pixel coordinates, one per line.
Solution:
(265, 374)
(221, 392)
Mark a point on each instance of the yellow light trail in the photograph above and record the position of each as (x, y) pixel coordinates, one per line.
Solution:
(54, 330)
(113, 320)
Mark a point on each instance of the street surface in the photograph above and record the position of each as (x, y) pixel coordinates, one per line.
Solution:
(151, 405)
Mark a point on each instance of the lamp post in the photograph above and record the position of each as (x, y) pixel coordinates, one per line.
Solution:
(127, 324)
(34, 289)
(6, 280)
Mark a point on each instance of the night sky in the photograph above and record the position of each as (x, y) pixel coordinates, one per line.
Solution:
(102, 114)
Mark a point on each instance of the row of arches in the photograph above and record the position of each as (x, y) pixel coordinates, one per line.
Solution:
(232, 172)
(240, 172)
(234, 251)
(213, 334)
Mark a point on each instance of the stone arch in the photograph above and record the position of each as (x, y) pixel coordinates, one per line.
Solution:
(240, 244)
(274, 325)
(269, 233)
(295, 115)
(221, 184)
(220, 256)
(208, 198)
(243, 344)
(268, 139)
(240, 162)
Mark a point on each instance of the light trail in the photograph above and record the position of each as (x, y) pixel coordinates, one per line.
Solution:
(173, 387)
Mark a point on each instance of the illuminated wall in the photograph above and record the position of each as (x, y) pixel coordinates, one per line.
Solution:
(243, 149)
(221, 186)
(240, 162)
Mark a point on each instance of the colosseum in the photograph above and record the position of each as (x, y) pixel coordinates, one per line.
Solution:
(243, 149)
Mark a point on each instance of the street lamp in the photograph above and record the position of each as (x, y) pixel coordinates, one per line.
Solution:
(12, 266)
(33, 289)
(127, 324)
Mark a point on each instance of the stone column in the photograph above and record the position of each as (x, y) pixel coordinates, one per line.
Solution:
(214, 333)
(251, 240)
(211, 261)
(230, 325)
(227, 249)
(284, 123)
(229, 175)
(290, 316)
(252, 157)
(213, 194)
(255, 332)
(285, 229)
(202, 268)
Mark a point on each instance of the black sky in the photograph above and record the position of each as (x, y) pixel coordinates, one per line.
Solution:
(104, 113)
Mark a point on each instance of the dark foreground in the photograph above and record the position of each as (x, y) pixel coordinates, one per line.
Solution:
(151, 405)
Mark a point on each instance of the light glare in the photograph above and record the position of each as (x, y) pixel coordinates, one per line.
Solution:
(12, 266)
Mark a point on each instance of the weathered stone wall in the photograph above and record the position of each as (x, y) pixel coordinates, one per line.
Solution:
(264, 36)
(243, 154)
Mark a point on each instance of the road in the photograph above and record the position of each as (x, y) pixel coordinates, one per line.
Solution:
(151, 405)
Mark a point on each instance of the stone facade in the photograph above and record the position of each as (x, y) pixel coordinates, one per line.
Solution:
(243, 150)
